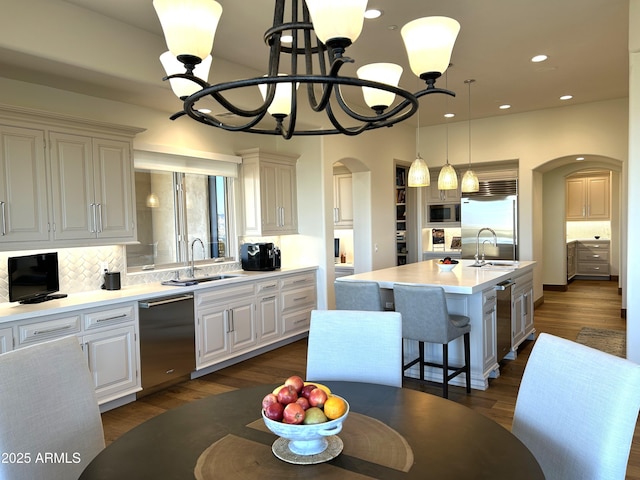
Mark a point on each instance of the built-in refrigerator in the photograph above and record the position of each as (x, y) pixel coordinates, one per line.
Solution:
(496, 212)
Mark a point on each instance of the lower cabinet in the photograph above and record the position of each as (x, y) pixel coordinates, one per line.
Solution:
(593, 258)
(522, 310)
(268, 301)
(490, 333)
(6, 339)
(298, 298)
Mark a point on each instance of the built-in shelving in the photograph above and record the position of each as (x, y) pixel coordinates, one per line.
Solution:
(401, 215)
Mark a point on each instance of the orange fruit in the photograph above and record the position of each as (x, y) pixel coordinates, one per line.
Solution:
(334, 407)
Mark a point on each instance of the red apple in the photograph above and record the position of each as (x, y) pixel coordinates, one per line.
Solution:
(293, 413)
(268, 400)
(304, 403)
(296, 382)
(274, 411)
(306, 390)
(287, 395)
(317, 397)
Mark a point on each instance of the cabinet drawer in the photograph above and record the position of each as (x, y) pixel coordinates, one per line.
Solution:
(593, 245)
(48, 329)
(224, 294)
(593, 256)
(297, 321)
(590, 268)
(103, 318)
(299, 298)
(267, 287)
(295, 281)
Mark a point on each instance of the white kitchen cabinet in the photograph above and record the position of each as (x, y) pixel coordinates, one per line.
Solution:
(489, 331)
(226, 323)
(268, 302)
(269, 196)
(342, 201)
(522, 310)
(111, 355)
(91, 188)
(23, 187)
(588, 198)
(571, 260)
(6, 339)
(298, 298)
(593, 258)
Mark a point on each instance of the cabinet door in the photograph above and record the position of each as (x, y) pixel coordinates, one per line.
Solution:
(598, 200)
(528, 309)
(287, 199)
(517, 318)
(270, 207)
(489, 330)
(268, 311)
(242, 324)
(213, 330)
(23, 186)
(6, 339)
(575, 201)
(72, 186)
(112, 361)
(343, 201)
(113, 192)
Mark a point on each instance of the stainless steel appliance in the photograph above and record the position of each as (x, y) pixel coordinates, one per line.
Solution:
(503, 318)
(444, 213)
(167, 340)
(491, 209)
(259, 256)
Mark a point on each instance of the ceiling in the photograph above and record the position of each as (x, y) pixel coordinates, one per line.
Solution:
(586, 41)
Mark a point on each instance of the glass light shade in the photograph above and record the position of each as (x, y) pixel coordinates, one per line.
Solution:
(181, 86)
(419, 173)
(153, 201)
(189, 25)
(281, 104)
(448, 179)
(469, 182)
(388, 73)
(337, 18)
(429, 42)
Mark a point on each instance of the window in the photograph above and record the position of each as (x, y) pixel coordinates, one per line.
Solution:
(174, 210)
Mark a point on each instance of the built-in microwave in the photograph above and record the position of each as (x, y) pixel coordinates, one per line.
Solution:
(448, 213)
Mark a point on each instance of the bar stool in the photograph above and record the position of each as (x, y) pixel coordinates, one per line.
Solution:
(358, 295)
(425, 318)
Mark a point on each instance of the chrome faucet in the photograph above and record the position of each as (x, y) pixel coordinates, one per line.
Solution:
(192, 268)
(495, 244)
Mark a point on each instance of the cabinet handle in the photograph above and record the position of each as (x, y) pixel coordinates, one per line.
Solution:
(51, 330)
(596, 256)
(227, 320)
(282, 216)
(265, 299)
(92, 220)
(489, 312)
(302, 320)
(107, 319)
(99, 215)
(297, 299)
(4, 219)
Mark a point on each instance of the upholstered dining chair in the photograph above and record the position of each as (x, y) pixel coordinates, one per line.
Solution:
(48, 411)
(576, 410)
(426, 319)
(358, 295)
(358, 346)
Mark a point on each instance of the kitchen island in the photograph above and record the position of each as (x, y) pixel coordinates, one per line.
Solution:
(497, 327)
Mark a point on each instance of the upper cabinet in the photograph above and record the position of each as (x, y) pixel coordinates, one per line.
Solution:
(269, 196)
(23, 186)
(64, 181)
(588, 198)
(441, 196)
(342, 201)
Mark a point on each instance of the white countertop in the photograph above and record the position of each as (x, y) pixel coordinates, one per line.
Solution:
(10, 312)
(463, 279)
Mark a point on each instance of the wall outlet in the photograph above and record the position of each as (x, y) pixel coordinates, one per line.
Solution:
(104, 267)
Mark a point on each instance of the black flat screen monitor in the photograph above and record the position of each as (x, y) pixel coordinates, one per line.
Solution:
(33, 277)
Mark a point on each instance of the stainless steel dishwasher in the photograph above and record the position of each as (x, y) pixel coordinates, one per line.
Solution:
(167, 341)
(503, 318)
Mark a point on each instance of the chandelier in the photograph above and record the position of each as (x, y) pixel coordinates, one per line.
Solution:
(317, 32)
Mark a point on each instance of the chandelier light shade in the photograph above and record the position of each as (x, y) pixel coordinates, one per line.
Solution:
(429, 43)
(448, 178)
(181, 86)
(470, 181)
(319, 32)
(418, 173)
(389, 73)
(189, 27)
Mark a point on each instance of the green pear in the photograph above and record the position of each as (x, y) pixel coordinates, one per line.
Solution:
(313, 416)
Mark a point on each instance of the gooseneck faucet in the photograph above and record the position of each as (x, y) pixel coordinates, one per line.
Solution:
(495, 244)
(192, 268)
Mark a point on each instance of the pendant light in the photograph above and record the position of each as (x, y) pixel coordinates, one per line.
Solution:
(419, 175)
(470, 180)
(448, 178)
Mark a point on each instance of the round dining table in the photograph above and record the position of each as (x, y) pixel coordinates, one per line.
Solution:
(389, 433)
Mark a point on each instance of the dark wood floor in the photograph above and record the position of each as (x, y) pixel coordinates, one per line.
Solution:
(586, 303)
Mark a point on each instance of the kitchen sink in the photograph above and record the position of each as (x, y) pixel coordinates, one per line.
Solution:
(185, 282)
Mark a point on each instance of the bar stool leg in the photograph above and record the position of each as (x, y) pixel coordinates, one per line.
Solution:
(467, 363)
(445, 370)
(421, 361)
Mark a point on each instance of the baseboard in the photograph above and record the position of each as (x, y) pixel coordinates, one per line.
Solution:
(555, 288)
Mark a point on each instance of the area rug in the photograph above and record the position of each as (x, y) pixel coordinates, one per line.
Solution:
(606, 340)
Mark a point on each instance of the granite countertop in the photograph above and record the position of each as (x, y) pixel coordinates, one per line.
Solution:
(10, 312)
(463, 279)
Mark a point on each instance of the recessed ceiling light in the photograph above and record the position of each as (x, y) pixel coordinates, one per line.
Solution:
(505, 106)
(372, 13)
(539, 58)
(566, 97)
(579, 159)
(449, 115)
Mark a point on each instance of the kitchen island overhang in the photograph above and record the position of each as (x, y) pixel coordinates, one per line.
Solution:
(470, 291)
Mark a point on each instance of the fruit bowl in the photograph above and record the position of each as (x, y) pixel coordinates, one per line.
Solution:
(307, 439)
(447, 267)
